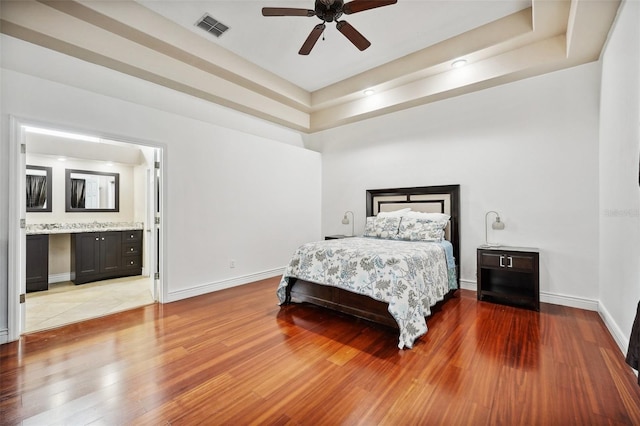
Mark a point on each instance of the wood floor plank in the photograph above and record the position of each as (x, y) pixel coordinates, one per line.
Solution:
(236, 357)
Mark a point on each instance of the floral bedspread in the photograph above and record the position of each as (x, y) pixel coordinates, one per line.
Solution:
(411, 276)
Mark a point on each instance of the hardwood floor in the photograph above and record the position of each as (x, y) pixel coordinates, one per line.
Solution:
(235, 357)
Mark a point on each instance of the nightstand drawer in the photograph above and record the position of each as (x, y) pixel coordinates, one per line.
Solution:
(507, 260)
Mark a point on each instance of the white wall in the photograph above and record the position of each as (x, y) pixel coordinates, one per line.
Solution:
(528, 150)
(619, 190)
(229, 194)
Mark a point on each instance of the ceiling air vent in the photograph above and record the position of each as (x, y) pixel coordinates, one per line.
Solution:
(212, 25)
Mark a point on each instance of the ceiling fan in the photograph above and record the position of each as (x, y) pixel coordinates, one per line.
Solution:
(329, 11)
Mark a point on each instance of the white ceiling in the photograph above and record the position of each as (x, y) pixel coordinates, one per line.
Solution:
(273, 42)
(254, 68)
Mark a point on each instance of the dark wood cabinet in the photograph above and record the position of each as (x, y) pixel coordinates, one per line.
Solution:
(509, 275)
(37, 263)
(103, 255)
(132, 252)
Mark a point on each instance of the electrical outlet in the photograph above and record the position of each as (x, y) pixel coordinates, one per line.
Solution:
(232, 263)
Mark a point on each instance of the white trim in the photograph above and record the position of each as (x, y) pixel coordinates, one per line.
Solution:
(59, 278)
(621, 340)
(17, 251)
(570, 301)
(468, 285)
(224, 284)
(4, 336)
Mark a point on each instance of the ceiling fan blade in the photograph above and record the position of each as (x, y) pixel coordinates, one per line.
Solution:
(356, 6)
(353, 35)
(311, 40)
(287, 11)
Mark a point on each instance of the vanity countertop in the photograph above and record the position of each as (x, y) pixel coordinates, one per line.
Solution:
(73, 228)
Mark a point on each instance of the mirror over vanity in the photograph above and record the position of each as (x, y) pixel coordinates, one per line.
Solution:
(38, 185)
(90, 191)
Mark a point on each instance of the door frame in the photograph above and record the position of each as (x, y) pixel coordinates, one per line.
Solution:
(17, 212)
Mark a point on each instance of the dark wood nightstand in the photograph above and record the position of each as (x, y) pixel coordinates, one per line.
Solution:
(336, 237)
(509, 275)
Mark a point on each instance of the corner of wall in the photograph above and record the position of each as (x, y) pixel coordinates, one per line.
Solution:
(617, 334)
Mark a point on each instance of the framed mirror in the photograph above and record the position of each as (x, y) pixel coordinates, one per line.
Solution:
(38, 189)
(89, 191)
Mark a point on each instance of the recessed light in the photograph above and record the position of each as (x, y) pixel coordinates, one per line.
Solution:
(459, 63)
(369, 92)
(62, 159)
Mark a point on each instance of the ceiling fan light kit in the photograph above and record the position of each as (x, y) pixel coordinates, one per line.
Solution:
(330, 11)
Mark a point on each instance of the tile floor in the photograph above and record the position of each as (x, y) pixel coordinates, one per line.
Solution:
(65, 302)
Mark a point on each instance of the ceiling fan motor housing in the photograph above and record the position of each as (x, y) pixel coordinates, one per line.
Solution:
(329, 10)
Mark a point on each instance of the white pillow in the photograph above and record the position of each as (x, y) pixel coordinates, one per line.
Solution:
(432, 217)
(395, 213)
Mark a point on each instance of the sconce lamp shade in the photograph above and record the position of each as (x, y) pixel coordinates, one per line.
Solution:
(345, 220)
(497, 225)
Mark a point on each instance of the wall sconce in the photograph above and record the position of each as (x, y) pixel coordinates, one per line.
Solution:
(345, 220)
(497, 225)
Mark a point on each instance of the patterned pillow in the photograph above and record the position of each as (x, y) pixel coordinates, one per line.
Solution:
(413, 229)
(382, 227)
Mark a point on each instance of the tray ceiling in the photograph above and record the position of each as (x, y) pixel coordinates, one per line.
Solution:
(254, 66)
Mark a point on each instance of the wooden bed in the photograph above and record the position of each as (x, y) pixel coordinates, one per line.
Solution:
(440, 199)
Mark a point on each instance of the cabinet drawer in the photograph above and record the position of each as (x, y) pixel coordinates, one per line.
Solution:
(135, 235)
(523, 263)
(132, 262)
(131, 248)
(520, 262)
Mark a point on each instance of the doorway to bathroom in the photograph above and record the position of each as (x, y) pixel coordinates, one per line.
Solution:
(117, 184)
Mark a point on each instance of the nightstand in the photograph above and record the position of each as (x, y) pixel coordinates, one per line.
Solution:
(509, 275)
(336, 237)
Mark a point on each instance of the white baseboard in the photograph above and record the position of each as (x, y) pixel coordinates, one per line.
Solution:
(621, 340)
(221, 285)
(4, 336)
(570, 301)
(59, 278)
(468, 285)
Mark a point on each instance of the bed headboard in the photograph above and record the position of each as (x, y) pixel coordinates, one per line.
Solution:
(432, 199)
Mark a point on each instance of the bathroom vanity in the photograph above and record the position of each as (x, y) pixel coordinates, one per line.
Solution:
(99, 251)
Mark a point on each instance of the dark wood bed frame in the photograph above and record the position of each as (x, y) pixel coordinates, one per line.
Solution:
(447, 197)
